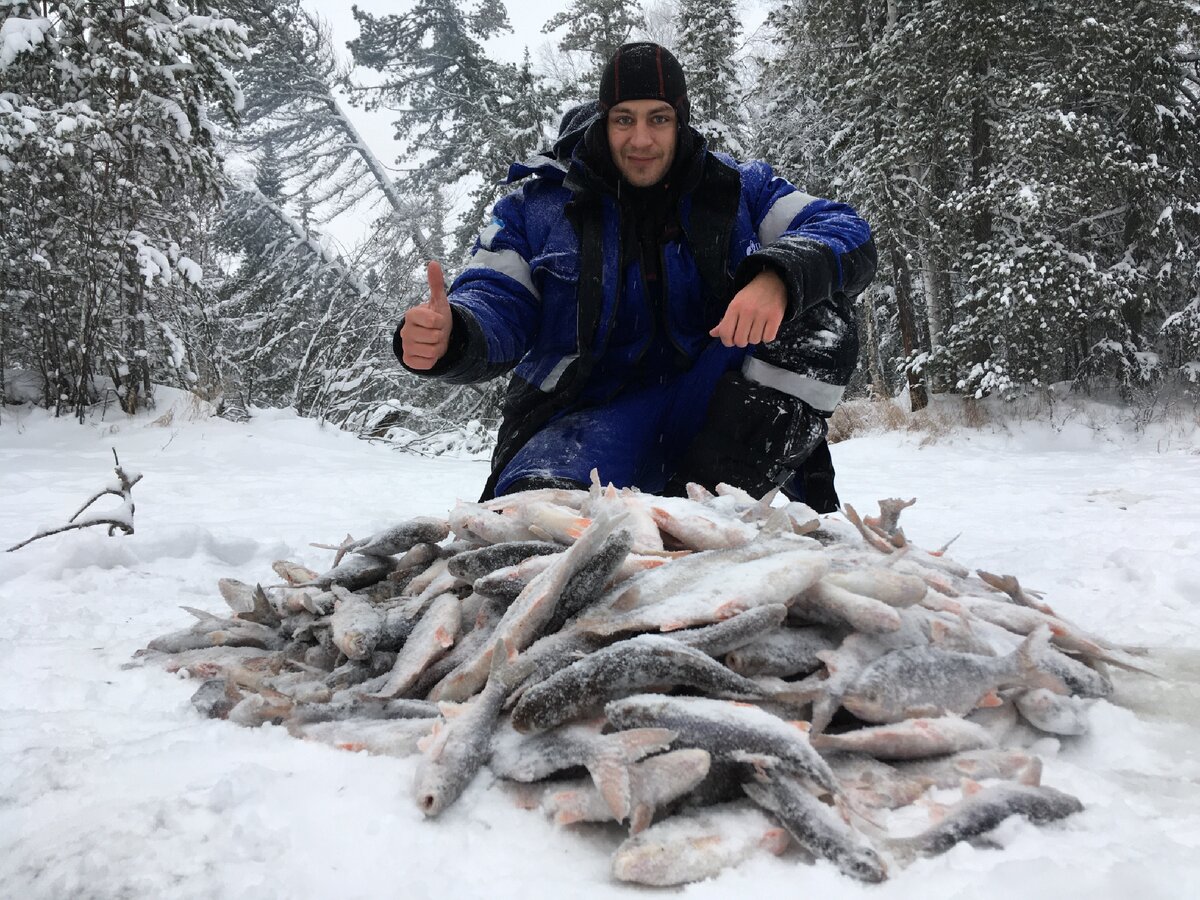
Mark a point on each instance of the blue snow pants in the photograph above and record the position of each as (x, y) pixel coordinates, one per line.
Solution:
(637, 439)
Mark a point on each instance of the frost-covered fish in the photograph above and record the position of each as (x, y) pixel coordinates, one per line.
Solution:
(697, 845)
(884, 585)
(587, 585)
(507, 582)
(653, 783)
(379, 737)
(455, 751)
(607, 757)
(293, 573)
(983, 811)
(726, 729)
(1053, 713)
(949, 771)
(471, 521)
(623, 668)
(699, 527)
(658, 605)
(356, 624)
(474, 640)
(722, 637)
(433, 635)
(472, 564)
(403, 537)
(817, 828)
(928, 681)
(361, 707)
(355, 572)
(874, 784)
(550, 521)
(522, 622)
(786, 651)
(827, 603)
(910, 739)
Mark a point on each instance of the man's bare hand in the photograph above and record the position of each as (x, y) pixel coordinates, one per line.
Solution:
(426, 331)
(754, 313)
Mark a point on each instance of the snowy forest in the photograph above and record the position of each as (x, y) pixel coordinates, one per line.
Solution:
(172, 174)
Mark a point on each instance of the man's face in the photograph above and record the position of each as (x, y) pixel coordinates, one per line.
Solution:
(641, 137)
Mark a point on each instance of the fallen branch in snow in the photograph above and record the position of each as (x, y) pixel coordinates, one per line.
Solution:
(120, 518)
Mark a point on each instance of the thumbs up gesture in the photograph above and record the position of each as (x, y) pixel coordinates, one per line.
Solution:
(426, 330)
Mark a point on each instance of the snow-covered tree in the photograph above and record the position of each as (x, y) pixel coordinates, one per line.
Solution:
(460, 115)
(1025, 167)
(597, 27)
(108, 150)
(706, 44)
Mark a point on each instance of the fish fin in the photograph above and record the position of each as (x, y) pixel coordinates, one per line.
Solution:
(504, 655)
(541, 533)
(1031, 775)
(451, 710)
(822, 714)
(762, 762)
(990, 700)
(577, 526)
(568, 817)
(567, 807)
(200, 614)
(937, 811)
(775, 840)
(971, 787)
(778, 522)
(761, 796)
(611, 776)
(524, 796)
(640, 818)
(431, 742)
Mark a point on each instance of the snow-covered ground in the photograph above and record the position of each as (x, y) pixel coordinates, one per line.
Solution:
(112, 786)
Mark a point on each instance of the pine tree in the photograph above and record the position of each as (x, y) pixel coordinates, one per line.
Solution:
(1025, 168)
(461, 116)
(597, 27)
(108, 152)
(707, 42)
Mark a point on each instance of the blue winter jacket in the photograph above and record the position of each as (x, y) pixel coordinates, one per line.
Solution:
(548, 292)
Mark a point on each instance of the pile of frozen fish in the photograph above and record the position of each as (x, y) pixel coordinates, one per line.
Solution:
(724, 675)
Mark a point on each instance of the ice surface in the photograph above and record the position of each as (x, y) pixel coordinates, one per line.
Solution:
(112, 785)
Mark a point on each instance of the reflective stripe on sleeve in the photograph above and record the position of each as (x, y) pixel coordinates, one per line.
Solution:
(817, 394)
(550, 382)
(780, 215)
(506, 262)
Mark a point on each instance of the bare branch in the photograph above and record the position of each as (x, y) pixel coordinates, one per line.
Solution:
(117, 520)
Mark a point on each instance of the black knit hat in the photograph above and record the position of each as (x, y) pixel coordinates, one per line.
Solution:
(645, 71)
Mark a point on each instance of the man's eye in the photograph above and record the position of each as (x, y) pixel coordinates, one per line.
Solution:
(662, 120)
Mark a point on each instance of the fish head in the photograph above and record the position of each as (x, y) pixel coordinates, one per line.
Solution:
(864, 864)
(432, 788)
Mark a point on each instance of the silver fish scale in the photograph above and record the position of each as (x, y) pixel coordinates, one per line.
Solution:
(620, 669)
(725, 729)
(924, 681)
(981, 813)
(817, 829)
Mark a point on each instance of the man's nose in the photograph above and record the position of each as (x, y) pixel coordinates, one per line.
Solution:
(641, 135)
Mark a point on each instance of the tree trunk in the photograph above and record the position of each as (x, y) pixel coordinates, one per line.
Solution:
(918, 395)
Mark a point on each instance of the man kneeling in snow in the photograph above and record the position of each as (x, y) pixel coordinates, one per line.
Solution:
(672, 315)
